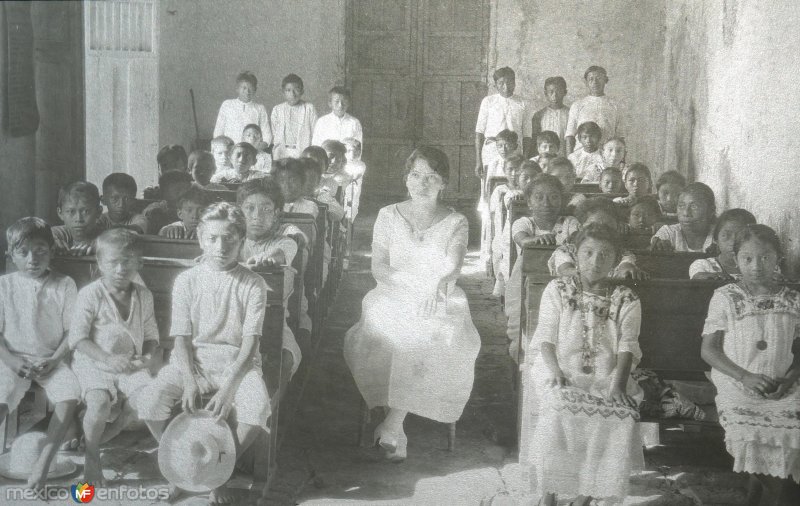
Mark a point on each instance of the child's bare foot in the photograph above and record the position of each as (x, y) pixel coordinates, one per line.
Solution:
(38, 476)
(126, 416)
(222, 495)
(93, 470)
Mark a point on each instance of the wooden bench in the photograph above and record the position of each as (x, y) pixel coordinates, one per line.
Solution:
(162, 247)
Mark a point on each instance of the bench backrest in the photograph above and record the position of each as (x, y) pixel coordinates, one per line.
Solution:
(586, 188)
(223, 196)
(161, 247)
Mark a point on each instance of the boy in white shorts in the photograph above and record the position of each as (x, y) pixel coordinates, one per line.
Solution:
(217, 333)
(35, 309)
(115, 338)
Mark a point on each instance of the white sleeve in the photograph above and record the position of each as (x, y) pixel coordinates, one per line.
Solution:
(359, 133)
(483, 116)
(527, 120)
(716, 318)
(263, 122)
(664, 233)
(549, 318)
(219, 128)
(572, 120)
(630, 323)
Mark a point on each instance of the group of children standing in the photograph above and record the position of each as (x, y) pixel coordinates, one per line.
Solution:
(580, 434)
(100, 347)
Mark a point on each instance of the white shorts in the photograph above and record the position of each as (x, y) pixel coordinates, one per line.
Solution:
(251, 403)
(91, 377)
(59, 386)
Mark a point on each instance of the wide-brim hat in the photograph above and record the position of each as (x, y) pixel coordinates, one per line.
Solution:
(25, 451)
(197, 452)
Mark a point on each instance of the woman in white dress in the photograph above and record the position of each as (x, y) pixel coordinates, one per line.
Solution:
(414, 348)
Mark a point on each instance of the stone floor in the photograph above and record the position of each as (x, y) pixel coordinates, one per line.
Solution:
(321, 463)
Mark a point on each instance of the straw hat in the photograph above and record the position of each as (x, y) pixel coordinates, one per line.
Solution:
(25, 451)
(197, 452)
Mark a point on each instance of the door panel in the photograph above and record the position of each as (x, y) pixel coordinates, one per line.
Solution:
(417, 69)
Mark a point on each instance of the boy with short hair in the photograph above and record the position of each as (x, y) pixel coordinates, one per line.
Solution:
(645, 213)
(546, 142)
(173, 184)
(115, 338)
(611, 180)
(338, 124)
(668, 187)
(170, 157)
(292, 180)
(217, 335)
(35, 311)
(292, 121)
(243, 110)
(553, 117)
(221, 148)
(119, 192)
(189, 209)
(596, 107)
(79, 208)
(243, 158)
(202, 168)
(588, 155)
(501, 111)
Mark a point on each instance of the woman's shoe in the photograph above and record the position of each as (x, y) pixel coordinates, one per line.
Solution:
(388, 442)
(399, 453)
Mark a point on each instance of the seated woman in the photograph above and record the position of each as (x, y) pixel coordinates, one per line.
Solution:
(414, 348)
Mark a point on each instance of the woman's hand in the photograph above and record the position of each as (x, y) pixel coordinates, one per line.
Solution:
(760, 383)
(261, 260)
(557, 379)
(657, 244)
(784, 385)
(618, 395)
(546, 240)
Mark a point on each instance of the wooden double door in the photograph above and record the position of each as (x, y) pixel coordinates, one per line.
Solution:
(417, 69)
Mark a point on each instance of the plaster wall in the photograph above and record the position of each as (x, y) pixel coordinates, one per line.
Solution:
(206, 43)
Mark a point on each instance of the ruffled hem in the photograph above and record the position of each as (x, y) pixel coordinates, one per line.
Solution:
(755, 458)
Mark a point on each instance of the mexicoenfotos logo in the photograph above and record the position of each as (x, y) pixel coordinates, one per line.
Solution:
(82, 492)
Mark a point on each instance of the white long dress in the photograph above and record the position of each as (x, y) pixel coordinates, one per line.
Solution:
(762, 435)
(572, 439)
(424, 365)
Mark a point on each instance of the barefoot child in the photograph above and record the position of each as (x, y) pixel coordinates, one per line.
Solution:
(190, 207)
(115, 338)
(292, 121)
(581, 401)
(545, 226)
(119, 192)
(554, 116)
(697, 211)
(268, 243)
(588, 156)
(723, 266)
(79, 209)
(506, 145)
(217, 335)
(35, 311)
(750, 339)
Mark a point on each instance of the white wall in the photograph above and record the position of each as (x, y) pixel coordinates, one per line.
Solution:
(206, 43)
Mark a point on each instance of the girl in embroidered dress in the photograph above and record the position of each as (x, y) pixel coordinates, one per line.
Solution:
(750, 339)
(544, 226)
(696, 215)
(580, 434)
(723, 266)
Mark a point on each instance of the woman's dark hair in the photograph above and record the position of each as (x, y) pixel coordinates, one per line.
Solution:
(544, 180)
(262, 186)
(598, 232)
(742, 216)
(761, 233)
(703, 192)
(436, 159)
(319, 155)
(671, 177)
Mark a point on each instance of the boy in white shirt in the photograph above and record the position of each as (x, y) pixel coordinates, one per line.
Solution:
(292, 121)
(554, 116)
(35, 311)
(221, 148)
(217, 334)
(596, 107)
(588, 155)
(501, 111)
(236, 113)
(338, 124)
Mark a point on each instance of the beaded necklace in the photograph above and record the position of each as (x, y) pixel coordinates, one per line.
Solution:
(761, 344)
(589, 345)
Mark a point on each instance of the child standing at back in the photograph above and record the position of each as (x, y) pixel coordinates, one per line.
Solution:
(580, 401)
(35, 311)
(292, 121)
(337, 125)
(596, 107)
(79, 209)
(506, 145)
(588, 155)
(554, 116)
(236, 113)
(750, 340)
(119, 192)
(115, 338)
